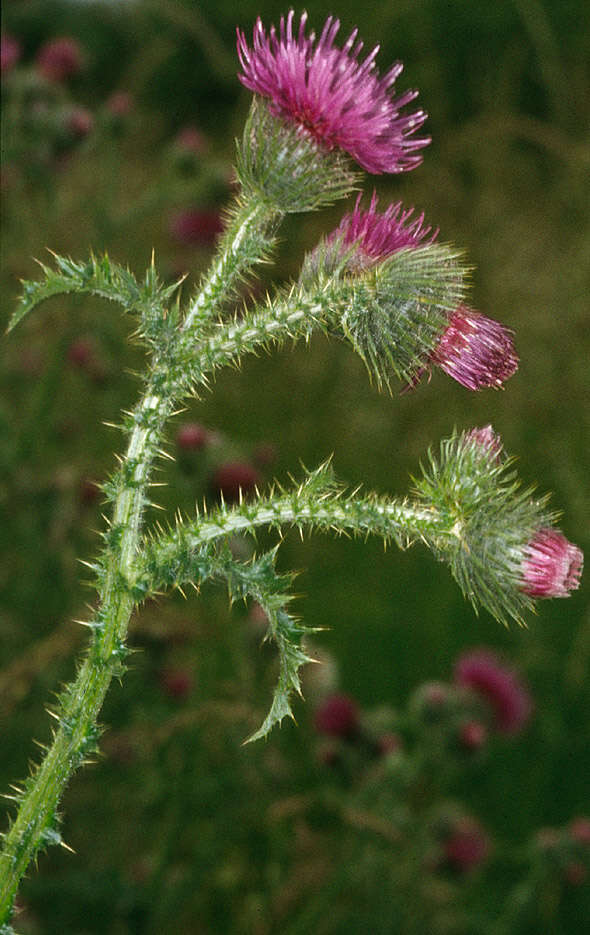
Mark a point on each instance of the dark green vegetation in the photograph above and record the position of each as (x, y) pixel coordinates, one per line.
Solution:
(178, 827)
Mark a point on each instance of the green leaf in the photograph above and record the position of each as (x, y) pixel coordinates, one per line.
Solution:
(100, 277)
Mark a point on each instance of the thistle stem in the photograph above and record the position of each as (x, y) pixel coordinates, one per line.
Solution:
(245, 243)
(35, 823)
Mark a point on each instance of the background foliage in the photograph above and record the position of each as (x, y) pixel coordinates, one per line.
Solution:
(178, 821)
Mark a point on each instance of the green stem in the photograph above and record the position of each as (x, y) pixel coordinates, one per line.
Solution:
(170, 560)
(245, 243)
(35, 823)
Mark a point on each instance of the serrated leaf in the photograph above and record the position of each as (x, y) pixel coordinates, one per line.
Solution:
(100, 277)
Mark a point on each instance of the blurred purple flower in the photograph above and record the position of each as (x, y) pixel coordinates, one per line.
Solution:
(120, 104)
(338, 715)
(467, 846)
(191, 140)
(192, 436)
(196, 226)
(59, 59)
(79, 122)
(551, 565)
(327, 93)
(481, 671)
(10, 52)
(234, 478)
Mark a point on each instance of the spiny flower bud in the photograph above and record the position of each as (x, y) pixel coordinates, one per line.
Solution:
(486, 441)
(551, 565)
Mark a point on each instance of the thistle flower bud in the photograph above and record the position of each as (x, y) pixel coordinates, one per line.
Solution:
(551, 566)
(486, 442)
(475, 350)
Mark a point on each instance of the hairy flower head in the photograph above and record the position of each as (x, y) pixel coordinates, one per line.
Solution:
(330, 95)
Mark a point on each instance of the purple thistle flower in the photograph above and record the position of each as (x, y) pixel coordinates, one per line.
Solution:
(510, 701)
(379, 235)
(475, 350)
(551, 565)
(326, 92)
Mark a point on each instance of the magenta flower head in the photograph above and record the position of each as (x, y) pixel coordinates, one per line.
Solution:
(551, 566)
(332, 97)
(475, 350)
(483, 673)
(379, 235)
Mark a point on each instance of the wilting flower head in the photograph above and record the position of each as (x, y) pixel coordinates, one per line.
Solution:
(337, 100)
(551, 565)
(475, 350)
(379, 235)
(510, 701)
(59, 59)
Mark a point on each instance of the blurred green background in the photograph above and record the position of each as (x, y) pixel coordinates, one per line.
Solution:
(176, 828)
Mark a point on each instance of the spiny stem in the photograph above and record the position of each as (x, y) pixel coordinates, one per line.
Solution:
(391, 519)
(245, 243)
(35, 821)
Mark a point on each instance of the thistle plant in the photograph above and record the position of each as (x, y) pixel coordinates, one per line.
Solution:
(382, 281)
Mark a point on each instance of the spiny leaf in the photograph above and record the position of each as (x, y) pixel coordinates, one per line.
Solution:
(97, 276)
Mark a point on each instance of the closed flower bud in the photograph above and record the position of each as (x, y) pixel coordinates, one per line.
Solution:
(551, 566)
(476, 351)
